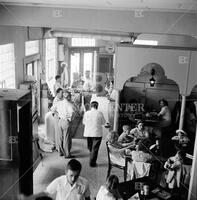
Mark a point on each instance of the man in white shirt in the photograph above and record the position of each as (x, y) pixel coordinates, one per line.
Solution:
(59, 96)
(93, 121)
(70, 186)
(65, 113)
(51, 124)
(88, 84)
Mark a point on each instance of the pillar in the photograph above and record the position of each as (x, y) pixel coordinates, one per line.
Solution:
(192, 194)
(116, 113)
(181, 121)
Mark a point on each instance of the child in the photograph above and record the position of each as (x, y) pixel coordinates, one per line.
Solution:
(124, 135)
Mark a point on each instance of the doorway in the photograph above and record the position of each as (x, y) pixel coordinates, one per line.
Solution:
(81, 60)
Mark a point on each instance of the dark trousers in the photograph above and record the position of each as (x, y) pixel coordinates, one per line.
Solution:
(166, 145)
(93, 146)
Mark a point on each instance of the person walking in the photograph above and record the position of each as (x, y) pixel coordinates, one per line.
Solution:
(93, 121)
(65, 113)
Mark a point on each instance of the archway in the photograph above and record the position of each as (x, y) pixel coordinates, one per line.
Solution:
(138, 90)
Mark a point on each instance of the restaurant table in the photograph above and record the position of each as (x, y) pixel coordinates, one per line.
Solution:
(128, 188)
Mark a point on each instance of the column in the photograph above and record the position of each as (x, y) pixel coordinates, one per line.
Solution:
(192, 194)
(116, 113)
(181, 121)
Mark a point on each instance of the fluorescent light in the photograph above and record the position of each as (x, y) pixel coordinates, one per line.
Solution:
(146, 42)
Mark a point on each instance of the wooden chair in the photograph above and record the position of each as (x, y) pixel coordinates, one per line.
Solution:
(117, 162)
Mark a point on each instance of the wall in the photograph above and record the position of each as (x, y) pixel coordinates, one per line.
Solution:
(174, 62)
(192, 82)
(150, 96)
(18, 36)
(95, 20)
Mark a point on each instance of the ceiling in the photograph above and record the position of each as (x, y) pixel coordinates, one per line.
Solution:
(154, 5)
(186, 6)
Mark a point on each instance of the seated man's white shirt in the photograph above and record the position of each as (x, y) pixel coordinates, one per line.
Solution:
(93, 121)
(64, 191)
(104, 194)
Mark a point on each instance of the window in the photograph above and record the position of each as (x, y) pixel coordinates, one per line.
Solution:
(82, 42)
(7, 66)
(31, 47)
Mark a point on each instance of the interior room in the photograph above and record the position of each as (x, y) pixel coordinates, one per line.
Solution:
(136, 59)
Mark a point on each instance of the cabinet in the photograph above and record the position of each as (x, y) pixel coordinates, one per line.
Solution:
(16, 162)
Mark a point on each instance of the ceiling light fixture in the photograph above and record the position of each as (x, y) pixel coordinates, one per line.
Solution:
(146, 42)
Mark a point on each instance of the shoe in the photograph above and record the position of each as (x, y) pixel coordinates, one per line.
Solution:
(94, 165)
(61, 154)
(69, 156)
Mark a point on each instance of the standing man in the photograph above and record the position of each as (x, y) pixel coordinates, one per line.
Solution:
(87, 90)
(70, 186)
(65, 113)
(51, 121)
(93, 121)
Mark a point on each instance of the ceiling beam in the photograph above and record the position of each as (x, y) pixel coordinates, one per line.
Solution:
(142, 21)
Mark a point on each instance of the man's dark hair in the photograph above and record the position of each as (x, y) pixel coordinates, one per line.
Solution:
(74, 165)
(57, 77)
(58, 90)
(94, 104)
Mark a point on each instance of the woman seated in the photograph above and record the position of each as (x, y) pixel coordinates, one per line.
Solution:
(139, 132)
(109, 191)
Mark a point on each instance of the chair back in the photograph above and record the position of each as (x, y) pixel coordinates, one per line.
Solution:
(116, 158)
